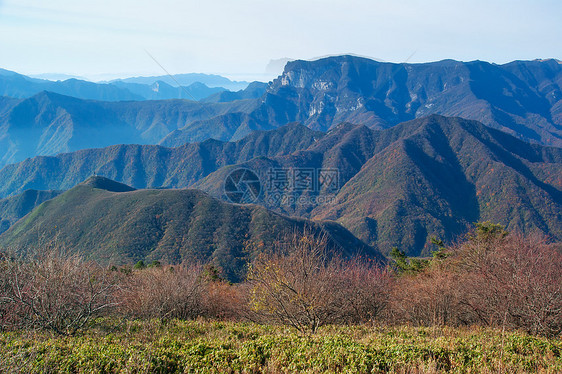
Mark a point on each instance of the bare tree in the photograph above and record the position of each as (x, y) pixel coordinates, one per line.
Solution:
(55, 292)
(163, 292)
(302, 285)
(516, 283)
(365, 290)
(430, 297)
(493, 278)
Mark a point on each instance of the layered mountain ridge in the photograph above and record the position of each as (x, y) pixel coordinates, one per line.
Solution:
(523, 98)
(49, 123)
(151, 166)
(115, 224)
(194, 87)
(433, 176)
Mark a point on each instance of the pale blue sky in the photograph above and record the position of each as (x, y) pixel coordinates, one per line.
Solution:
(237, 38)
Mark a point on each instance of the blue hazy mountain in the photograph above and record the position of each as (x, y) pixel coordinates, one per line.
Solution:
(523, 98)
(20, 86)
(50, 123)
(210, 80)
(160, 90)
(253, 91)
(56, 76)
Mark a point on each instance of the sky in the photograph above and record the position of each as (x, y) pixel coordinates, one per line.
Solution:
(106, 39)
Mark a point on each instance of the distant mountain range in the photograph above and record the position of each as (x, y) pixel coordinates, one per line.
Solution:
(193, 87)
(151, 166)
(115, 224)
(49, 123)
(254, 90)
(427, 177)
(523, 98)
(210, 80)
(162, 91)
(20, 86)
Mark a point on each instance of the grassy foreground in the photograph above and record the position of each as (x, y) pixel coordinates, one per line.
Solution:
(224, 347)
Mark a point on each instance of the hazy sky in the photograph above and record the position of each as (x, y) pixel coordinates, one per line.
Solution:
(237, 38)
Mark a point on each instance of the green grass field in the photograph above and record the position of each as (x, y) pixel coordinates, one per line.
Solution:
(223, 347)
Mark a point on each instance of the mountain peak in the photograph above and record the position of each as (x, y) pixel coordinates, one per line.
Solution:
(448, 125)
(52, 96)
(107, 184)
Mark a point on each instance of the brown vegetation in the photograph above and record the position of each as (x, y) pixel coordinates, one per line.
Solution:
(53, 291)
(492, 279)
(182, 292)
(299, 284)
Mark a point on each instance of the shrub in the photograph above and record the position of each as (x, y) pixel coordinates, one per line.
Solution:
(429, 298)
(300, 284)
(224, 301)
(492, 279)
(53, 291)
(365, 290)
(163, 292)
(514, 281)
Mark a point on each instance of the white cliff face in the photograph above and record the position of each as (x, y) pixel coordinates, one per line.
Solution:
(304, 78)
(329, 96)
(323, 85)
(350, 107)
(285, 79)
(294, 79)
(316, 108)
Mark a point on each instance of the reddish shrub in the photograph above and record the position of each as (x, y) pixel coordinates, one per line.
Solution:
(162, 292)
